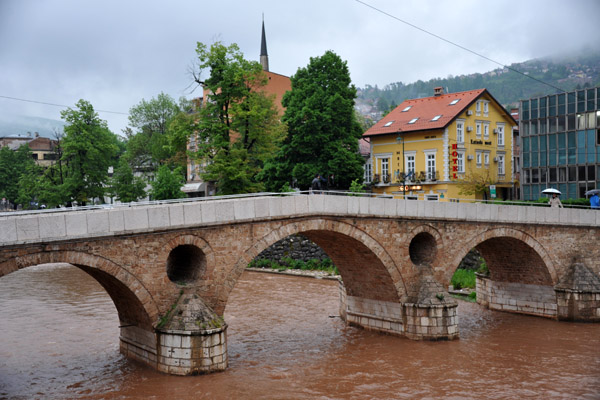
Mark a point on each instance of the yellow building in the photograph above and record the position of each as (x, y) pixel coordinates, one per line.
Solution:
(443, 148)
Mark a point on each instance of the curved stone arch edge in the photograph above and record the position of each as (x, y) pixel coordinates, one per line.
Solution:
(297, 227)
(500, 233)
(194, 240)
(129, 280)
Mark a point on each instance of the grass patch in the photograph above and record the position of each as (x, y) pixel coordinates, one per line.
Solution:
(463, 278)
(289, 263)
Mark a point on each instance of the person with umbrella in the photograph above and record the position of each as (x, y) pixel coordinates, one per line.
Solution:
(554, 200)
(594, 200)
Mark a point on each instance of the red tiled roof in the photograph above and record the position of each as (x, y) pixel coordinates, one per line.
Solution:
(425, 110)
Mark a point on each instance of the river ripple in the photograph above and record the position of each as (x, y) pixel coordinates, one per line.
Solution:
(59, 339)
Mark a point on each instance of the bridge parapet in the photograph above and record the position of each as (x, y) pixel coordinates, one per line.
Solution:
(69, 225)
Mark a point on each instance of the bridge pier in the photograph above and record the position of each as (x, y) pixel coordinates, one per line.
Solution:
(575, 298)
(428, 319)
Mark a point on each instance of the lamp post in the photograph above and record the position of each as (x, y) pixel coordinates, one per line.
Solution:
(400, 139)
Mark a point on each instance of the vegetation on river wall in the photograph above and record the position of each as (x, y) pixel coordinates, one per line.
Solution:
(289, 263)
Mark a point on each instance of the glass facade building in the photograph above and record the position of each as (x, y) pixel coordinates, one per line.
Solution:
(560, 143)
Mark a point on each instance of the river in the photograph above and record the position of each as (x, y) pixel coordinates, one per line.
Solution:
(59, 340)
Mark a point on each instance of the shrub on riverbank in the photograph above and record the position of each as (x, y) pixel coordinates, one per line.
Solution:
(290, 263)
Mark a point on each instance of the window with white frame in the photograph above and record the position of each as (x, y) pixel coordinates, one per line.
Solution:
(409, 165)
(486, 107)
(500, 130)
(385, 169)
(478, 158)
(430, 165)
(486, 130)
(478, 129)
(460, 162)
(486, 158)
(368, 171)
(500, 164)
(460, 131)
(478, 107)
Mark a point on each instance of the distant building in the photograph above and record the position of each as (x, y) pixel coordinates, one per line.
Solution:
(276, 85)
(427, 148)
(42, 148)
(560, 143)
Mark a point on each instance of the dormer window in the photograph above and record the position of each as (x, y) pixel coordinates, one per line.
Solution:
(453, 102)
(412, 121)
(436, 117)
(407, 108)
(389, 123)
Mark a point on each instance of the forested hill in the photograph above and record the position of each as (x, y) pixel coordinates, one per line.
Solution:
(506, 86)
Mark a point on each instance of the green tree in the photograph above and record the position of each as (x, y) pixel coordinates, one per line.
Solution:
(88, 149)
(238, 128)
(323, 132)
(13, 166)
(124, 185)
(167, 184)
(148, 146)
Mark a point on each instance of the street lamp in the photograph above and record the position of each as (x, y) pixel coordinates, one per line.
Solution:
(400, 139)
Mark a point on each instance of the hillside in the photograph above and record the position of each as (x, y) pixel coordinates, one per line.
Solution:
(19, 125)
(508, 87)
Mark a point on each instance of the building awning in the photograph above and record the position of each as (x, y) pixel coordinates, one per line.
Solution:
(194, 187)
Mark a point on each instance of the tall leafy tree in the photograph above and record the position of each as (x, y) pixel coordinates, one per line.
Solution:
(88, 149)
(238, 127)
(323, 132)
(148, 143)
(125, 185)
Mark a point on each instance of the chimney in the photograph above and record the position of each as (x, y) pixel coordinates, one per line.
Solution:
(438, 91)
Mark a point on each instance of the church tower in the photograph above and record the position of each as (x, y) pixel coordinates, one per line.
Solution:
(264, 57)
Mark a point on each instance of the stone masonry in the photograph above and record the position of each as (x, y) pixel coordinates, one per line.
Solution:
(394, 257)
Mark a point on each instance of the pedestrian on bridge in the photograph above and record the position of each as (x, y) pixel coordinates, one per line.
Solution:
(555, 201)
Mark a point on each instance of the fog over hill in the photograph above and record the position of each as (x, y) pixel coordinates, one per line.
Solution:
(21, 125)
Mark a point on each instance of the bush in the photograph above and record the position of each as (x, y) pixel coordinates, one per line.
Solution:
(463, 278)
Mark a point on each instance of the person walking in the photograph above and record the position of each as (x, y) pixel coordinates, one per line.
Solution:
(595, 201)
(555, 201)
(316, 184)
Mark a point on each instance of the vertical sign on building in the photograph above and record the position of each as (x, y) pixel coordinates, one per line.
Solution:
(454, 161)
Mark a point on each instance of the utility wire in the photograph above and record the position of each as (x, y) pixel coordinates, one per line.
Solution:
(458, 45)
(58, 105)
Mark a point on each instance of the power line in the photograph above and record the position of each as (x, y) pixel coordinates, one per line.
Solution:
(57, 105)
(458, 45)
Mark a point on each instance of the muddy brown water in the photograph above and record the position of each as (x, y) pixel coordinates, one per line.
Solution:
(59, 339)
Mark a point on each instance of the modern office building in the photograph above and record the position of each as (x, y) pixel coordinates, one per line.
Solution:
(560, 143)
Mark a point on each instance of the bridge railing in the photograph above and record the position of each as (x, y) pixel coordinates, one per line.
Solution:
(276, 194)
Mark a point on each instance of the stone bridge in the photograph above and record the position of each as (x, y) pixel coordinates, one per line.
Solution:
(169, 268)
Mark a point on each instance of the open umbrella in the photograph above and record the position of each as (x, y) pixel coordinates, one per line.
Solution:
(592, 192)
(551, 191)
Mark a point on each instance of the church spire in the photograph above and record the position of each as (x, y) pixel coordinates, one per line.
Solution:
(264, 57)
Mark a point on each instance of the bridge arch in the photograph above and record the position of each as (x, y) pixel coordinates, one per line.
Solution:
(133, 301)
(367, 269)
(503, 247)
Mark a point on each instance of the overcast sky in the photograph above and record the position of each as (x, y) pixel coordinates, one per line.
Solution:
(114, 53)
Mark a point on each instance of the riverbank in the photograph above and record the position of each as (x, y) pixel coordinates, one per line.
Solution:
(297, 272)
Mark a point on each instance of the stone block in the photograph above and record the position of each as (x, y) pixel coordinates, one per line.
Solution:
(411, 208)
(389, 207)
(483, 212)
(244, 209)
(8, 230)
(76, 224)
(176, 215)
(300, 204)
(316, 203)
(209, 211)
(192, 213)
(224, 210)
(97, 222)
(353, 205)
(363, 205)
(288, 205)
(158, 217)
(169, 340)
(275, 207)
(376, 206)
(53, 225)
(116, 221)
(261, 207)
(135, 219)
(336, 205)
